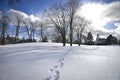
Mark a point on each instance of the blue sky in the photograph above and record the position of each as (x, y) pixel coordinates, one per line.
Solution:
(33, 6)
(28, 6)
(110, 25)
(38, 6)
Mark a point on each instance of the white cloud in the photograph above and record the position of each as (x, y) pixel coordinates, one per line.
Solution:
(33, 18)
(113, 11)
(93, 12)
(100, 14)
(14, 14)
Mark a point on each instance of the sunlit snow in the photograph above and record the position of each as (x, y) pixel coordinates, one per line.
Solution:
(51, 61)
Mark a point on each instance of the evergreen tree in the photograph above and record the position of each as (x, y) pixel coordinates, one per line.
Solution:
(89, 37)
(111, 40)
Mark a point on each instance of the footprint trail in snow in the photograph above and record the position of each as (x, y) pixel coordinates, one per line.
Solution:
(55, 70)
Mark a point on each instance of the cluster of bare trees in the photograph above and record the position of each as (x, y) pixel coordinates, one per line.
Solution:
(30, 27)
(18, 20)
(58, 17)
(80, 25)
(4, 21)
(64, 18)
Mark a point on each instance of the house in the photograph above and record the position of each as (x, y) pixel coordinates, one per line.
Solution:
(100, 41)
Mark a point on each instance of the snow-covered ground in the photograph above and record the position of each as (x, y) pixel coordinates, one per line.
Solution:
(51, 61)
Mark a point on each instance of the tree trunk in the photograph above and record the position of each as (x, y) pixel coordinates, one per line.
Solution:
(33, 34)
(41, 32)
(17, 34)
(3, 36)
(28, 32)
(71, 30)
(64, 39)
(80, 38)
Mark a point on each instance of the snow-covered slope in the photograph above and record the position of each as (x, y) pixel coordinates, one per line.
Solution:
(51, 61)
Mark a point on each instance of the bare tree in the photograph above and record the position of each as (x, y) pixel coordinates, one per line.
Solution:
(27, 27)
(3, 27)
(17, 23)
(81, 25)
(30, 27)
(41, 31)
(32, 30)
(72, 7)
(11, 5)
(41, 28)
(58, 17)
(16, 20)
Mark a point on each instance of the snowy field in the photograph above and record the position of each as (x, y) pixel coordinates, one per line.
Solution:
(51, 61)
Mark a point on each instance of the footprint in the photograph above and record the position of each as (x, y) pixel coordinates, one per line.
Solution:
(56, 66)
(51, 70)
(61, 64)
(48, 78)
(56, 75)
(59, 60)
(62, 59)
